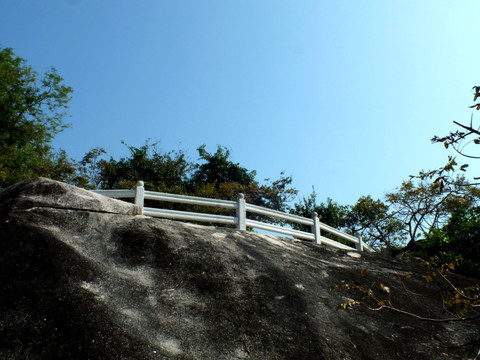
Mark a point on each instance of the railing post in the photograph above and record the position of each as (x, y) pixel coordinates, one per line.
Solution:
(241, 212)
(359, 246)
(316, 228)
(139, 196)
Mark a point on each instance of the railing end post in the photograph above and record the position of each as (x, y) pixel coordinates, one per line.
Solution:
(359, 246)
(140, 195)
(316, 228)
(241, 212)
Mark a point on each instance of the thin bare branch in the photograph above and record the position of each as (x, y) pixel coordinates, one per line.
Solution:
(469, 128)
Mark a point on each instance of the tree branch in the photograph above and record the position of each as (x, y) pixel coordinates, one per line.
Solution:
(392, 308)
(469, 128)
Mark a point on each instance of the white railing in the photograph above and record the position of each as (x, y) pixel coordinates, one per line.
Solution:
(240, 220)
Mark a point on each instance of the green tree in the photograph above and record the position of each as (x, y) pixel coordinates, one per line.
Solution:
(458, 242)
(375, 222)
(329, 212)
(32, 109)
(276, 194)
(214, 176)
(89, 169)
(217, 176)
(443, 241)
(424, 206)
(217, 169)
(408, 214)
(164, 172)
(371, 219)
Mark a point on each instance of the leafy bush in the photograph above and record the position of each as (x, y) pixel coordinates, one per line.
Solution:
(457, 242)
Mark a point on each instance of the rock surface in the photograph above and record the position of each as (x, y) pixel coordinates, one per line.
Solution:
(83, 277)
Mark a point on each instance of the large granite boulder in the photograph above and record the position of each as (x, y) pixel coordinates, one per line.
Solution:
(84, 277)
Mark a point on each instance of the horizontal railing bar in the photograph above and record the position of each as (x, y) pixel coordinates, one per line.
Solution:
(298, 219)
(334, 243)
(296, 233)
(116, 193)
(192, 216)
(192, 200)
(278, 214)
(281, 230)
(339, 233)
(365, 246)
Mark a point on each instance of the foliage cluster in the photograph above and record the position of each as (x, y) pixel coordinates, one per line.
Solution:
(214, 175)
(32, 109)
(408, 214)
(456, 242)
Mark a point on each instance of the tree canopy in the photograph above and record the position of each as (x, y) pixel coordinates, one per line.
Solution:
(456, 242)
(213, 175)
(405, 219)
(32, 110)
(217, 168)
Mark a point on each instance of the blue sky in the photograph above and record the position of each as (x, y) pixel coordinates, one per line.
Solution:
(342, 95)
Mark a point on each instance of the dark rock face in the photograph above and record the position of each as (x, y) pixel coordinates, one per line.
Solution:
(83, 277)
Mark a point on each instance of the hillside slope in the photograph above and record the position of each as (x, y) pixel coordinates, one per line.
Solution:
(84, 277)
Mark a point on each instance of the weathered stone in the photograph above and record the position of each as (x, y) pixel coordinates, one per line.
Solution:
(48, 193)
(83, 278)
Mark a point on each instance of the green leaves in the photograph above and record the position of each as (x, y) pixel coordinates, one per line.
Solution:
(457, 242)
(217, 168)
(329, 212)
(164, 172)
(376, 222)
(214, 176)
(31, 114)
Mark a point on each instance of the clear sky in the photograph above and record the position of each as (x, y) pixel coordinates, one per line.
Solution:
(342, 95)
